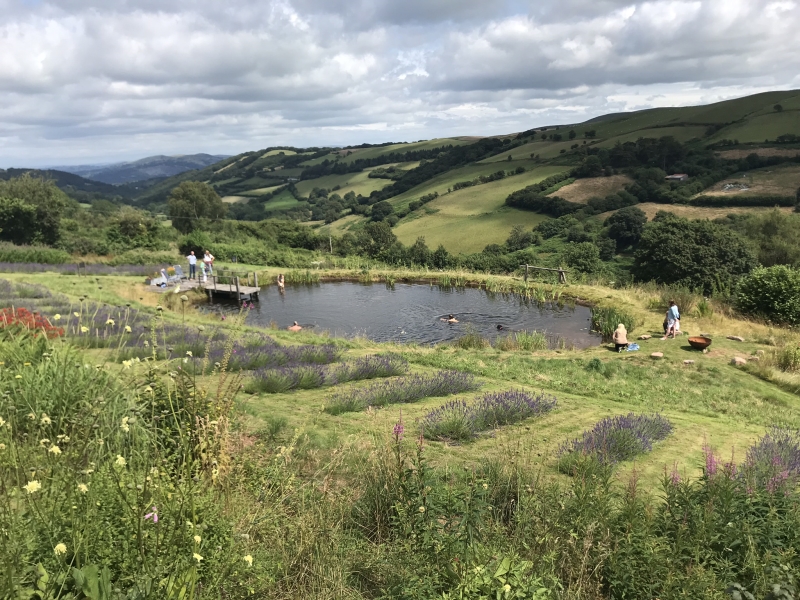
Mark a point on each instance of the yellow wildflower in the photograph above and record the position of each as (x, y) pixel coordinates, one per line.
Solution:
(54, 450)
(2, 421)
(486, 486)
(18, 377)
(197, 557)
(197, 539)
(26, 364)
(2, 446)
(45, 419)
(110, 322)
(249, 560)
(60, 549)
(124, 425)
(422, 509)
(77, 314)
(43, 442)
(188, 353)
(84, 329)
(120, 462)
(32, 486)
(83, 488)
(127, 328)
(32, 416)
(56, 317)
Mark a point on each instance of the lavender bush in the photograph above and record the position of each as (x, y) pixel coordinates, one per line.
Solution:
(456, 420)
(615, 439)
(403, 390)
(774, 461)
(305, 376)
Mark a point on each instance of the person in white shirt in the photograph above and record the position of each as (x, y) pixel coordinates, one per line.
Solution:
(192, 265)
(208, 261)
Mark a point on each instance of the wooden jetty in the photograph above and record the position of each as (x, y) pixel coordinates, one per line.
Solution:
(562, 273)
(232, 285)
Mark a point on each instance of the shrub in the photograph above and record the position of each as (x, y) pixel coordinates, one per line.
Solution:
(456, 420)
(403, 390)
(771, 293)
(615, 439)
(472, 340)
(774, 461)
(10, 253)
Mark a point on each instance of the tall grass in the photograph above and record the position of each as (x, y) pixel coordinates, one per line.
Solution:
(605, 320)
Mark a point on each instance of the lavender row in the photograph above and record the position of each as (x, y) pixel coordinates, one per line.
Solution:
(773, 462)
(457, 420)
(402, 390)
(616, 439)
(287, 378)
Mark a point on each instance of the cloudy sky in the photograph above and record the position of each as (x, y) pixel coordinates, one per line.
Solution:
(86, 81)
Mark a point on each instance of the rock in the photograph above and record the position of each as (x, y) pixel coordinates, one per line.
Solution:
(738, 361)
(708, 335)
(754, 359)
(657, 355)
(645, 337)
(705, 350)
(688, 362)
(735, 338)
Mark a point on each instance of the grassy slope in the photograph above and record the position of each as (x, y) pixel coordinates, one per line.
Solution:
(782, 180)
(358, 183)
(469, 219)
(709, 402)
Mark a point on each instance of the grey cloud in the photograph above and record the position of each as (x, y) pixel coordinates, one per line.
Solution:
(80, 79)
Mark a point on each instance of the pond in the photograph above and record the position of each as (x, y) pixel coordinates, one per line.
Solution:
(413, 312)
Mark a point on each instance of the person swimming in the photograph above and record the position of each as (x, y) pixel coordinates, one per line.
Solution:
(294, 327)
(449, 319)
(499, 327)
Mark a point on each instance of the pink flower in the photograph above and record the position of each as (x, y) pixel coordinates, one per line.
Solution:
(711, 461)
(152, 515)
(398, 429)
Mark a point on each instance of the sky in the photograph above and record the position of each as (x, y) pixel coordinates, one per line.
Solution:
(87, 82)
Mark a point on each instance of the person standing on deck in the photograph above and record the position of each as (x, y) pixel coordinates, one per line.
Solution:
(208, 261)
(192, 265)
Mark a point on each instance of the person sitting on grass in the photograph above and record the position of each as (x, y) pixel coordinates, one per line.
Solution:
(295, 327)
(620, 338)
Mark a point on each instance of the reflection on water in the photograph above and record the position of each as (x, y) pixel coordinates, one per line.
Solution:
(413, 313)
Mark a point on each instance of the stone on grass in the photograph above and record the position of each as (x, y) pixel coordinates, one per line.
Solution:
(738, 361)
(645, 337)
(735, 338)
(708, 335)
(657, 355)
(688, 362)
(754, 359)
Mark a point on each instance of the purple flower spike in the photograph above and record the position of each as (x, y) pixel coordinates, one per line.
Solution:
(152, 515)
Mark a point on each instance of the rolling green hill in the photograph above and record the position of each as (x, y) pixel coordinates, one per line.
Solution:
(341, 184)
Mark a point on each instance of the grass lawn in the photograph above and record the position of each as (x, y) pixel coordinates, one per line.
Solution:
(781, 180)
(358, 183)
(583, 189)
(709, 402)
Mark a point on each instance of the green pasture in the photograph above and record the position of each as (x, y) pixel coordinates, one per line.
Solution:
(358, 183)
(780, 180)
(767, 126)
(709, 402)
(278, 152)
(260, 191)
(282, 201)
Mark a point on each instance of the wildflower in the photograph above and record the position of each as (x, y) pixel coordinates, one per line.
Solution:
(83, 488)
(84, 329)
(100, 441)
(153, 515)
(54, 450)
(126, 364)
(18, 377)
(197, 539)
(110, 322)
(77, 315)
(43, 442)
(2, 421)
(127, 328)
(486, 486)
(398, 429)
(32, 486)
(148, 389)
(60, 549)
(200, 328)
(120, 462)
(27, 364)
(32, 416)
(146, 344)
(197, 557)
(124, 425)
(56, 317)
(189, 353)
(45, 419)
(249, 560)
(506, 588)
(422, 509)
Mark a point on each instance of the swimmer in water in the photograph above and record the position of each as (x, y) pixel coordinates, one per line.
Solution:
(499, 327)
(449, 319)
(295, 327)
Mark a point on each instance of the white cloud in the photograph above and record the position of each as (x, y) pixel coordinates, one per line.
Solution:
(85, 81)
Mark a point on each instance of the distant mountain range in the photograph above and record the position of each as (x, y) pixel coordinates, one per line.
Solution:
(151, 167)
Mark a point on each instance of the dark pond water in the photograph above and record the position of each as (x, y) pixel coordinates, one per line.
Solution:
(412, 312)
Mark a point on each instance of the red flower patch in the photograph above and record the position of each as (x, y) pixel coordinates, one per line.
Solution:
(22, 317)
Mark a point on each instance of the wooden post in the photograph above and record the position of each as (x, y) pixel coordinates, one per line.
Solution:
(255, 278)
(562, 276)
(238, 295)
